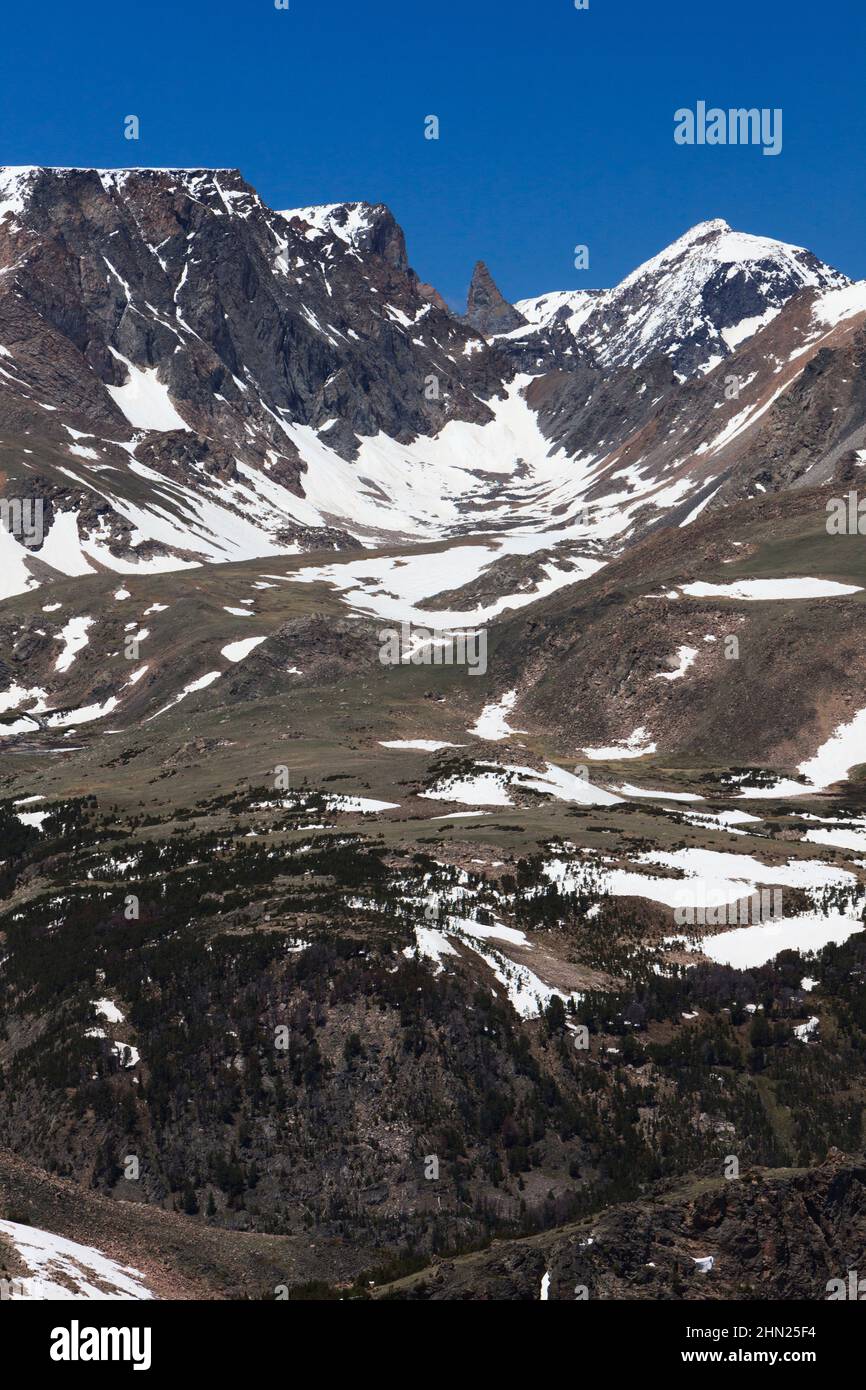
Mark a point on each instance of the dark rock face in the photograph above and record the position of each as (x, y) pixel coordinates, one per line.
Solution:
(251, 322)
(769, 1236)
(377, 233)
(372, 230)
(582, 403)
(810, 430)
(221, 291)
(486, 309)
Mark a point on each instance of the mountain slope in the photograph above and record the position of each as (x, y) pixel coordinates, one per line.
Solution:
(365, 958)
(646, 643)
(774, 1235)
(178, 1259)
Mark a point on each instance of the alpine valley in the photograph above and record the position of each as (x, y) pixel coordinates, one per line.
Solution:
(329, 975)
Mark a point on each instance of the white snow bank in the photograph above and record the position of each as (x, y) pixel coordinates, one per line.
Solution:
(425, 745)
(685, 658)
(746, 948)
(846, 748)
(489, 786)
(238, 651)
(760, 590)
(843, 839)
(63, 1269)
(637, 745)
(107, 1009)
(363, 804)
(144, 399)
(201, 684)
(74, 637)
(492, 723)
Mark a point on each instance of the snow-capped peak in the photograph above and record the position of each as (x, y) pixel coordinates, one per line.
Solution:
(714, 243)
(348, 221)
(366, 228)
(695, 301)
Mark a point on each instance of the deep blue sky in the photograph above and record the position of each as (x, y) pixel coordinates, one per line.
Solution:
(556, 125)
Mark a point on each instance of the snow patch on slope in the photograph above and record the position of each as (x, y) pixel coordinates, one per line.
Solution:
(63, 1269)
(144, 399)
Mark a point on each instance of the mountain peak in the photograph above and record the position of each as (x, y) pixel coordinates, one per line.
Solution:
(486, 307)
(365, 227)
(694, 302)
(706, 228)
(701, 250)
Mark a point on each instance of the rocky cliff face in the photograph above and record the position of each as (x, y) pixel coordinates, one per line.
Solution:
(140, 306)
(243, 313)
